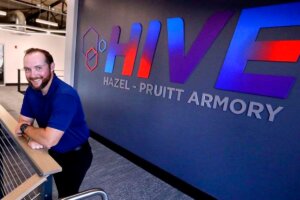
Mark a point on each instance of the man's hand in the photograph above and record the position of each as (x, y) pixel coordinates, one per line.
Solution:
(34, 144)
(18, 130)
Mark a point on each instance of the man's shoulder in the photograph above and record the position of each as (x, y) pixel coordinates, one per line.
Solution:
(64, 88)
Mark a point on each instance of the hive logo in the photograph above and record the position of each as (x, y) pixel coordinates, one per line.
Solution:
(243, 48)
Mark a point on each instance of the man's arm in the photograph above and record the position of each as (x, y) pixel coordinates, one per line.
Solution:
(26, 120)
(23, 120)
(47, 137)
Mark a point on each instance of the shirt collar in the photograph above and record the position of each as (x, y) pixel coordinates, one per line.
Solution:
(53, 85)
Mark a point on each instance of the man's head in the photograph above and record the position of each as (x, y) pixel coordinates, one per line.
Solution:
(39, 68)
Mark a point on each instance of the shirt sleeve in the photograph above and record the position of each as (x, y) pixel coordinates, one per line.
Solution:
(26, 108)
(63, 110)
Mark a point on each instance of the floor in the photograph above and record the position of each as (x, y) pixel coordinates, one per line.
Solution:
(117, 176)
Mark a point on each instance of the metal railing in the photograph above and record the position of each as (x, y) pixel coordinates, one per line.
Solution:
(88, 193)
(24, 172)
(20, 82)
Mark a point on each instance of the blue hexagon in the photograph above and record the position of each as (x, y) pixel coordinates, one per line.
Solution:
(102, 45)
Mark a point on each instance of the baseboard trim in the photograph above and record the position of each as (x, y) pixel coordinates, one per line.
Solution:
(154, 170)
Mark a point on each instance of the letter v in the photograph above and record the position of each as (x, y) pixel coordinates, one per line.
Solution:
(181, 65)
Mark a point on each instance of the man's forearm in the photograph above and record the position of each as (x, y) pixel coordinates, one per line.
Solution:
(39, 135)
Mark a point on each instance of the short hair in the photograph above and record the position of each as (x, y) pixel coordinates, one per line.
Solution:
(48, 56)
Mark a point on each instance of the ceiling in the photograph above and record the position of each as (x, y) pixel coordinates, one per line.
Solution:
(22, 14)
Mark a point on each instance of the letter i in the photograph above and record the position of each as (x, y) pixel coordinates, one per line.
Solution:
(149, 49)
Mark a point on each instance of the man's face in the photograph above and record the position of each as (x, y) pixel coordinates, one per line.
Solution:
(37, 71)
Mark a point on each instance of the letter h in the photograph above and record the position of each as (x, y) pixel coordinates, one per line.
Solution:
(128, 50)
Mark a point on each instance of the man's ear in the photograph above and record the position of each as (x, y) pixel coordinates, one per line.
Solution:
(52, 66)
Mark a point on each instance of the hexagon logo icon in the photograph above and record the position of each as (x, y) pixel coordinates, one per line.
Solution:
(90, 49)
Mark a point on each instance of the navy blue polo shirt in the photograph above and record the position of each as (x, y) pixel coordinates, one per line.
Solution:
(61, 109)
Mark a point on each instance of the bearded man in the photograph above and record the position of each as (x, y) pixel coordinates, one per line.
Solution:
(62, 128)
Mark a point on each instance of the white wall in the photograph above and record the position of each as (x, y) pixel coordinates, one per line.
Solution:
(15, 46)
(71, 31)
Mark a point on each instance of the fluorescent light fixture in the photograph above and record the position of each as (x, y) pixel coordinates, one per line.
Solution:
(3, 13)
(41, 21)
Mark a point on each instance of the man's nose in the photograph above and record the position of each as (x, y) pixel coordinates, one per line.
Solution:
(33, 73)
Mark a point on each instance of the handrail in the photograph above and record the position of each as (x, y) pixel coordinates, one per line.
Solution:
(88, 193)
(40, 160)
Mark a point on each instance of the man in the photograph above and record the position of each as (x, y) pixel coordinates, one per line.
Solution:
(62, 129)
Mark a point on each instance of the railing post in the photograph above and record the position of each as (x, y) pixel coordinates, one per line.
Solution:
(19, 80)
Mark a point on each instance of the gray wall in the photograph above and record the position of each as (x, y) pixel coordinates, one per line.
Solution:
(246, 150)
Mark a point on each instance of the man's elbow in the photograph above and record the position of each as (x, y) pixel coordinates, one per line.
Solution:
(50, 143)
(52, 137)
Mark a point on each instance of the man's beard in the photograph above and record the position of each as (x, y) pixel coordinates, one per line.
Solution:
(44, 83)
